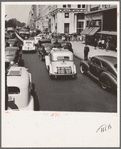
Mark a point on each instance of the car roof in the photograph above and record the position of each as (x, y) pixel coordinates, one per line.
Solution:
(17, 76)
(47, 44)
(109, 59)
(28, 40)
(11, 48)
(61, 52)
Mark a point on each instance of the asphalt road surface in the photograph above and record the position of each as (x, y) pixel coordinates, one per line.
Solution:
(66, 94)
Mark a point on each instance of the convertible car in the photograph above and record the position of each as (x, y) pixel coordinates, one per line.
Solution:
(103, 69)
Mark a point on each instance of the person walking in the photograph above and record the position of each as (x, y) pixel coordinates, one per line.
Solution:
(86, 51)
(95, 43)
(103, 44)
(107, 45)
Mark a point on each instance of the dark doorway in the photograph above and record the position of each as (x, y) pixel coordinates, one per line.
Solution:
(66, 27)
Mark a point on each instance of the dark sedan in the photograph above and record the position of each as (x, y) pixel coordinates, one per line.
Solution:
(103, 69)
(12, 56)
(44, 50)
(13, 43)
(66, 45)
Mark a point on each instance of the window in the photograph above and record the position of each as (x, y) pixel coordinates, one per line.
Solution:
(83, 6)
(64, 6)
(87, 24)
(13, 90)
(66, 15)
(80, 26)
(79, 6)
(97, 62)
(69, 6)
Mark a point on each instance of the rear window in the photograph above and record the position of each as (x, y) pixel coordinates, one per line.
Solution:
(28, 42)
(13, 90)
(61, 58)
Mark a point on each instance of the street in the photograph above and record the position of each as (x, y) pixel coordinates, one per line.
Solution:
(66, 94)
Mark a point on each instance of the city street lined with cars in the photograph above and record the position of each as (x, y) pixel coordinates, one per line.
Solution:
(63, 93)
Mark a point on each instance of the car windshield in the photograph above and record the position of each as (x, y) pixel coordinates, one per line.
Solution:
(63, 58)
(28, 42)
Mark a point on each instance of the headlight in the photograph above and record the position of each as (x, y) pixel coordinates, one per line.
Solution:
(12, 62)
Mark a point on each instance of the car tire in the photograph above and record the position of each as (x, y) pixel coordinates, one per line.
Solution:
(82, 69)
(74, 76)
(103, 86)
(104, 81)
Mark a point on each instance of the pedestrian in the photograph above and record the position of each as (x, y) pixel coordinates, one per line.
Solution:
(103, 44)
(107, 45)
(86, 51)
(57, 44)
(99, 43)
(95, 43)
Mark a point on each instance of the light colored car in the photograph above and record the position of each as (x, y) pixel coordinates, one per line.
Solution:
(19, 84)
(60, 62)
(28, 45)
(36, 39)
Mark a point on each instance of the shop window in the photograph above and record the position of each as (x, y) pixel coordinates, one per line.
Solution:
(79, 6)
(83, 6)
(64, 6)
(80, 27)
(69, 6)
(66, 15)
(87, 24)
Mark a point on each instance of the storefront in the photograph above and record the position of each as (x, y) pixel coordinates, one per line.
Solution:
(111, 37)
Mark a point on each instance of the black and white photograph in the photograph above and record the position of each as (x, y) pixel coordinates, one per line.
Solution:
(60, 74)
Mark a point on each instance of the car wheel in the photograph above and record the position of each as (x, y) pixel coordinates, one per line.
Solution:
(82, 69)
(103, 86)
(40, 57)
(74, 76)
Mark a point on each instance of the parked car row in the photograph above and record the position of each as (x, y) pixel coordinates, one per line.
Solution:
(19, 80)
(59, 61)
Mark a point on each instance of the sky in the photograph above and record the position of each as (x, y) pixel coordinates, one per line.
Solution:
(20, 12)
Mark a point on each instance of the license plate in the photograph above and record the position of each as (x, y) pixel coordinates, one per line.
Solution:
(63, 63)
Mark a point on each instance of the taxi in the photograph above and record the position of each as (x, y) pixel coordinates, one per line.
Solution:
(19, 85)
(60, 62)
(28, 45)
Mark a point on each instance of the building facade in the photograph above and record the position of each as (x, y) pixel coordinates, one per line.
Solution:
(101, 22)
(65, 18)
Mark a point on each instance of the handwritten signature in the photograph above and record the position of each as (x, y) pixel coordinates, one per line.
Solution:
(104, 128)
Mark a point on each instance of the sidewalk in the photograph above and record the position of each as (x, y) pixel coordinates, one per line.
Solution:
(78, 49)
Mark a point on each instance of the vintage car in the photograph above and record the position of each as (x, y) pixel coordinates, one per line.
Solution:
(103, 69)
(66, 45)
(60, 62)
(36, 39)
(19, 86)
(13, 56)
(28, 45)
(44, 50)
(24, 33)
(13, 42)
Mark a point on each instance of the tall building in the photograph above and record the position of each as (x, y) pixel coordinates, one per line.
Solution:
(64, 18)
(32, 17)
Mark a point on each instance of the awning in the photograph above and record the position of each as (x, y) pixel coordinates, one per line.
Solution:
(94, 30)
(108, 32)
(84, 31)
(89, 30)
